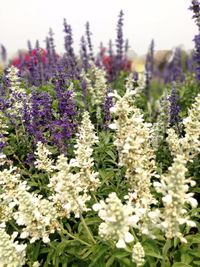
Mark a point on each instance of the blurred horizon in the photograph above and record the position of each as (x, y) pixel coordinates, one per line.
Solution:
(168, 22)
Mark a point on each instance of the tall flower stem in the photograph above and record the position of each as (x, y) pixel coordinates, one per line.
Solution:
(87, 229)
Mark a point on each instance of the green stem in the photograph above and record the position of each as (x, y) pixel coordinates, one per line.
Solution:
(94, 197)
(75, 237)
(87, 230)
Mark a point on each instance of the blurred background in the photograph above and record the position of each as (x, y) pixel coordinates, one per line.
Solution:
(167, 21)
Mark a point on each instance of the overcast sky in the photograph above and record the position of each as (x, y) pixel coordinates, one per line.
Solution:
(167, 21)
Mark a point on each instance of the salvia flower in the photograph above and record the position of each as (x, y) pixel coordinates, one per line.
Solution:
(117, 220)
(195, 7)
(12, 253)
(3, 131)
(174, 188)
(189, 145)
(86, 138)
(196, 56)
(88, 35)
(174, 108)
(38, 116)
(120, 42)
(37, 215)
(138, 254)
(68, 193)
(64, 125)
(43, 162)
(3, 53)
(96, 87)
(108, 103)
(162, 120)
(84, 54)
(71, 189)
(17, 94)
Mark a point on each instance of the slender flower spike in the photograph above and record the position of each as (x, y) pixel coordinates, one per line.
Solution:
(3, 131)
(96, 87)
(17, 94)
(118, 220)
(174, 188)
(120, 41)
(43, 162)
(195, 7)
(86, 138)
(88, 35)
(174, 107)
(133, 142)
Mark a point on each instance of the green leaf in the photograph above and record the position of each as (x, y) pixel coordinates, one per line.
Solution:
(186, 258)
(194, 239)
(100, 253)
(110, 261)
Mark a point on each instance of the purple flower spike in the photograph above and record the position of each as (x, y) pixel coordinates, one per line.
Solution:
(174, 108)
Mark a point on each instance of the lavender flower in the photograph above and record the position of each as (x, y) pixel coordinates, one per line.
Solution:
(38, 118)
(196, 56)
(69, 59)
(174, 108)
(176, 67)
(84, 54)
(40, 66)
(120, 41)
(52, 46)
(149, 68)
(88, 35)
(126, 46)
(195, 7)
(3, 53)
(64, 126)
(34, 76)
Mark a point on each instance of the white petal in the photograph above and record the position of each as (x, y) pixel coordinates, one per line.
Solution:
(121, 244)
(128, 237)
(167, 199)
(97, 207)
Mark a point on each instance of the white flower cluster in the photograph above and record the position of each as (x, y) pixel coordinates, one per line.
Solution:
(118, 220)
(189, 145)
(2, 159)
(161, 124)
(12, 254)
(72, 181)
(43, 162)
(9, 181)
(133, 141)
(17, 95)
(138, 254)
(123, 109)
(37, 215)
(86, 138)
(174, 188)
(3, 128)
(68, 194)
(96, 84)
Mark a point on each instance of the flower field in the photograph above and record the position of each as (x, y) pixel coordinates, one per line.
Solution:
(99, 163)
